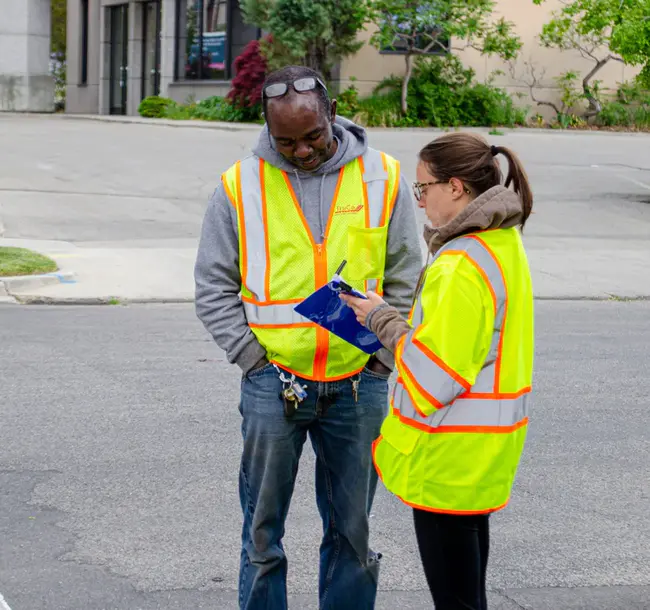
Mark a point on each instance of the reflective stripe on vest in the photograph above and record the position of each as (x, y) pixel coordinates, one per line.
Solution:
(375, 184)
(272, 315)
(465, 413)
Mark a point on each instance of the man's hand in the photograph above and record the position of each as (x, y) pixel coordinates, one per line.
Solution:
(362, 307)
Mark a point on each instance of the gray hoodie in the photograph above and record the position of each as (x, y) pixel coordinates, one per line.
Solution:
(217, 275)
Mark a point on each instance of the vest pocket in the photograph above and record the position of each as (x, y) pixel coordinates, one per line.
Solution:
(399, 435)
(366, 254)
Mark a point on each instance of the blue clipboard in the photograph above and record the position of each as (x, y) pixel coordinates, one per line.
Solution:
(325, 308)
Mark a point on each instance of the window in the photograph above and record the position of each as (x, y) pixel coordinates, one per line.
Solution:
(83, 69)
(201, 40)
(417, 29)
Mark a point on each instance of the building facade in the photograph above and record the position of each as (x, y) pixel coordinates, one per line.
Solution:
(369, 66)
(120, 52)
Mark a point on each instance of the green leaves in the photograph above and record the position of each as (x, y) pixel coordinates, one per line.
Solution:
(417, 28)
(313, 32)
(622, 26)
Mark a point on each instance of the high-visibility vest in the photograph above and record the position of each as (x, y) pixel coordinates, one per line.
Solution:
(452, 444)
(281, 264)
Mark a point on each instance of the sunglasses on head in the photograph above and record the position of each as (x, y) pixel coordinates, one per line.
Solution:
(301, 85)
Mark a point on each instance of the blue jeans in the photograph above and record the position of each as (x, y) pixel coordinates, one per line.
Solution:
(341, 431)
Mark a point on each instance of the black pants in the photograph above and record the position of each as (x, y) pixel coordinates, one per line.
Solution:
(454, 551)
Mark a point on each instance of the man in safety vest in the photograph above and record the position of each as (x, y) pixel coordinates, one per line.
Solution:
(311, 195)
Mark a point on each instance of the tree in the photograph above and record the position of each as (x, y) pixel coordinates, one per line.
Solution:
(315, 33)
(416, 28)
(601, 31)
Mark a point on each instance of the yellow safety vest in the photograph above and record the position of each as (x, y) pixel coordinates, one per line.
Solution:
(459, 410)
(281, 264)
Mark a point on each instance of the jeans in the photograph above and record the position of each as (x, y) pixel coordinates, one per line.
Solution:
(454, 551)
(341, 431)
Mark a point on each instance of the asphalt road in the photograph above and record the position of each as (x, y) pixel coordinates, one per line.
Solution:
(119, 447)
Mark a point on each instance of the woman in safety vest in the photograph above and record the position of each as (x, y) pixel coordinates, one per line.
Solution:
(451, 444)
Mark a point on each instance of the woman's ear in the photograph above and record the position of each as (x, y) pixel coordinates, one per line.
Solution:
(457, 188)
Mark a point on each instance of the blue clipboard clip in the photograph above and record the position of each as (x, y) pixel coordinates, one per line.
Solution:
(325, 308)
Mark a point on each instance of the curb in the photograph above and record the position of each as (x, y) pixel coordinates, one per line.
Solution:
(43, 300)
(9, 285)
(223, 126)
(136, 120)
(25, 299)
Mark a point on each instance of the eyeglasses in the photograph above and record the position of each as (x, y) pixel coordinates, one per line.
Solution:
(420, 187)
(301, 85)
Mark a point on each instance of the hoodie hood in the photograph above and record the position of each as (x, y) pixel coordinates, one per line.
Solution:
(497, 208)
(352, 143)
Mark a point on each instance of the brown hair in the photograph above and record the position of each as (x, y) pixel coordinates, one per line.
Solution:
(469, 157)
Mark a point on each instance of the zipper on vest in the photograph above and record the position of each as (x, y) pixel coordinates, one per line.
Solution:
(322, 336)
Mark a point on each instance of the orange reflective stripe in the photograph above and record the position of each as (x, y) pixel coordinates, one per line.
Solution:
(254, 301)
(282, 326)
(407, 421)
(439, 362)
(313, 377)
(496, 395)
(455, 512)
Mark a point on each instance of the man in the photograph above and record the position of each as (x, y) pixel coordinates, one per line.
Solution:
(311, 195)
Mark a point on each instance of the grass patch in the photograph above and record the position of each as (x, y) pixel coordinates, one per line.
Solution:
(497, 132)
(19, 261)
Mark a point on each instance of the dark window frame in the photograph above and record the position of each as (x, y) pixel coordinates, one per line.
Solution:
(83, 68)
(436, 50)
(157, 54)
(179, 5)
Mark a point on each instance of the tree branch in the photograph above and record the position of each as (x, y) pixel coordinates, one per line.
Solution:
(532, 83)
(595, 106)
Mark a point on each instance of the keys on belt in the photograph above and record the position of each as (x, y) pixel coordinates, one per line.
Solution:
(292, 392)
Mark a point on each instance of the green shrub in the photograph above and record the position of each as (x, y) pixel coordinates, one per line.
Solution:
(213, 108)
(631, 108)
(154, 107)
(347, 102)
(442, 93)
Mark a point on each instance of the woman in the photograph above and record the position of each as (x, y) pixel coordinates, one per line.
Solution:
(452, 442)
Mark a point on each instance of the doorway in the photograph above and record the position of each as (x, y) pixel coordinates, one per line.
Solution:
(151, 19)
(119, 58)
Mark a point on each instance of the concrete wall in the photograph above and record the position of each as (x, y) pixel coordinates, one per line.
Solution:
(83, 98)
(25, 80)
(369, 67)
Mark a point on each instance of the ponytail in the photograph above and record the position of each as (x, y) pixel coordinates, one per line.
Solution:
(518, 178)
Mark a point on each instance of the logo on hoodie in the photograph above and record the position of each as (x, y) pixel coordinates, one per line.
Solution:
(347, 209)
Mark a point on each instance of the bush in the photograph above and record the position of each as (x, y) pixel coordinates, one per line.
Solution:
(442, 93)
(246, 89)
(210, 109)
(630, 109)
(154, 107)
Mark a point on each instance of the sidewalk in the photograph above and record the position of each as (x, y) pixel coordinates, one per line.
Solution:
(159, 273)
(110, 275)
